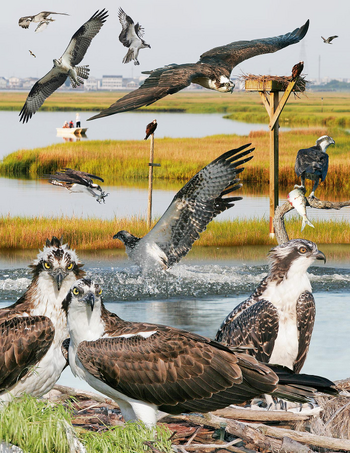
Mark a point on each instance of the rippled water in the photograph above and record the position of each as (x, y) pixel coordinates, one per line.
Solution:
(198, 297)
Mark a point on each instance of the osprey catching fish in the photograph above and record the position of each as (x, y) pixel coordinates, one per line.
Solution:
(189, 213)
(148, 367)
(212, 71)
(64, 67)
(25, 21)
(131, 37)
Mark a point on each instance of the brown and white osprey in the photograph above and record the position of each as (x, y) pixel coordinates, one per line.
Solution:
(212, 71)
(297, 70)
(189, 213)
(145, 367)
(277, 320)
(77, 181)
(25, 21)
(64, 67)
(150, 128)
(329, 39)
(131, 37)
(33, 329)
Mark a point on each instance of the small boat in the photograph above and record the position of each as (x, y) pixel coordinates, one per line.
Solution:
(62, 131)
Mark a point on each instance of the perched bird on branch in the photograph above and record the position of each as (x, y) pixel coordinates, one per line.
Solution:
(189, 213)
(33, 330)
(150, 128)
(297, 70)
(212, 71)
(42, 17)
(145, 367)
(329, 40)
(64, 67)
(312, 163)
(131, 37)
(77, 181)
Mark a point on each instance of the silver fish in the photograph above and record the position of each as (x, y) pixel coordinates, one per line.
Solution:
(297, 199)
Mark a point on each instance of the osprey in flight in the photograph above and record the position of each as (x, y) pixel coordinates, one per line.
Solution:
(131, 37)
(278, 318)
(212, 71)
(33, 329)
(145, 367)
(312, 163)
(42, 17)
(192, 208)
(64, 67)
(150, 128)
(78, 182)
(329, 40)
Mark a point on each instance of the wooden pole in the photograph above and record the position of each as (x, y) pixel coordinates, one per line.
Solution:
(150, 183)
(274, 142)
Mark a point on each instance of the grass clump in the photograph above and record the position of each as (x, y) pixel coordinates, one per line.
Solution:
(35, 426)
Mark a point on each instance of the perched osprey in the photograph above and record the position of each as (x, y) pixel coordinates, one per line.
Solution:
(297, 70)
(145, 367)
(78, 182)
(33, 329)
(131, 37)
(64, 67)
(329, 40)
(212, 71)
(278, 318)
(25, 21)
(192, 208)
(150, 128)
(312, 163)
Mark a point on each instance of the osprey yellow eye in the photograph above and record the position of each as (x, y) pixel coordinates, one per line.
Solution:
(100, 291)
(47, 265)
(70, 266)
(303, 250)
(75, 291)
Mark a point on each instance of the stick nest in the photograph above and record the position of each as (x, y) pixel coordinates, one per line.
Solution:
(283, 80)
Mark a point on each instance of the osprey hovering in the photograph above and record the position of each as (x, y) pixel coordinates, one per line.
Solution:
(192, 208)
(33, 329)
(78, 182)
(212, 71)
(145, 367)
(150, 128)
(64, 67)
(25, 21)
(329, 40)
(312, 163)
(131, 37)
(278, 318)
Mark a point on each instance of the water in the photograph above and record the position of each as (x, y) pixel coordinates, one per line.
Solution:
(197, 297)
(41, 129)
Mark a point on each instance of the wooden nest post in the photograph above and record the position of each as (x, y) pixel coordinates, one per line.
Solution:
(269, 88)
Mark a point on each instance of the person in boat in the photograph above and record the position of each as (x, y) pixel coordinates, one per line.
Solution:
(77, 120)
(71, 124)
(66, 125)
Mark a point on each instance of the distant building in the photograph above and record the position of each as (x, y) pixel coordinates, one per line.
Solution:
(91, 84)
(3, 83)
(111, 82)
(28, 82)
(15, 82)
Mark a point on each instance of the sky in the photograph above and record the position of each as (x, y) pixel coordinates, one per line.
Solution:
(179, 32)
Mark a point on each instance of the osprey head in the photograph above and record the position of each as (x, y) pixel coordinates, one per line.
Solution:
(83, 296)
(293, 257)
(128, 239)
(56, 262)
(324, 141)
(224, 85)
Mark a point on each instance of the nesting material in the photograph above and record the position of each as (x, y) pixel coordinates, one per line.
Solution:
(272, 83)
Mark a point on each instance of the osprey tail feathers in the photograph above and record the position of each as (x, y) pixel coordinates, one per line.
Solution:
(129, 56)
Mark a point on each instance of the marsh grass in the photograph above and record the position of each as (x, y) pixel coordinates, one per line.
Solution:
(19, 233)
(121, 161)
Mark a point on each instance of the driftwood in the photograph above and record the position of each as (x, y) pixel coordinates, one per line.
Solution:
(237, 413)
(278, 221)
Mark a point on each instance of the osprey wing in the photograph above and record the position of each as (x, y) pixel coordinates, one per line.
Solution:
(255, 325)
(174, 369)
(23, 343)
(82, 38)
(311, 160)
(197, 203)
(25, 21)
(45, 14)
(236, 52)
(127, 25)
(41, 90)
(163, 81)
(81, 174)
(306, 312)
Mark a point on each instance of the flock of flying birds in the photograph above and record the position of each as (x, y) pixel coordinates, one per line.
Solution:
(61, 320)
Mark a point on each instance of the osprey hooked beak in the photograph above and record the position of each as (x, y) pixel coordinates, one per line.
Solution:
(89, 299)
(59, 275)
(321, 256)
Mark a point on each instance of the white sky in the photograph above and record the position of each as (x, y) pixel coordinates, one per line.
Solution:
(179, 32)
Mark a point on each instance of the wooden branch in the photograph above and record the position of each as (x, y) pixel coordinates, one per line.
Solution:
(70, 391)
(278, 221)
(262, 416)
